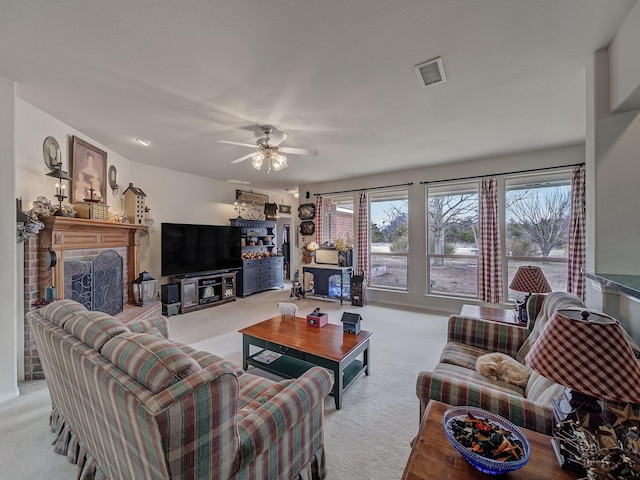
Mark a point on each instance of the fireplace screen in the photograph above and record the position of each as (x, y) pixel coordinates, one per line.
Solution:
(96, 283)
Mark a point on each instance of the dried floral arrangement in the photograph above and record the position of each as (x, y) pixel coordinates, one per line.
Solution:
(608, 452)
(486, 438)
(345, 243)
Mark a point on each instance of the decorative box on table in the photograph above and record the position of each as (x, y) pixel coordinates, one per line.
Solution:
(351, 322)
(318, 320)
(93, 211)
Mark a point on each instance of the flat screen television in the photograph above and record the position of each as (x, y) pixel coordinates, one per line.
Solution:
(197, 249)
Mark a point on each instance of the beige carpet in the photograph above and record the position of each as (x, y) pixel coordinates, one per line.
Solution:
(368, 439)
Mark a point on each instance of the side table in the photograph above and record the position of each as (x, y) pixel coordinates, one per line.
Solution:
(495, 314)
(434, 458)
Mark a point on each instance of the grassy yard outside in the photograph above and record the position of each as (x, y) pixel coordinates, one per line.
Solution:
(455, 276)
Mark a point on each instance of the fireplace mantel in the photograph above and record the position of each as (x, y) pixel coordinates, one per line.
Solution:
(65, 233)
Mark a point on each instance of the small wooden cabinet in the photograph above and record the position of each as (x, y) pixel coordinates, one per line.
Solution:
(262, 274)
(206, 290)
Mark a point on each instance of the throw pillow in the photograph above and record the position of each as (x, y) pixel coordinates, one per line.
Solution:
(153, 361)
(499, 366)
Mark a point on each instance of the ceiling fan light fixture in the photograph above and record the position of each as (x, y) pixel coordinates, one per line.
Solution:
(270, 152)
(256, 162)
(278, 162)
(258, 156)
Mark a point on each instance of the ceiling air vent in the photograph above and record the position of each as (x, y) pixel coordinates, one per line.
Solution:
(431, 72)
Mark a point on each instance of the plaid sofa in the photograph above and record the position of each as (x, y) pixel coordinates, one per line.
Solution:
(130, 404)
(455, 380)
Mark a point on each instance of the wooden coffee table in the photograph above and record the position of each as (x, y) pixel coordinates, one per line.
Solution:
(434, 458)
(301, 347)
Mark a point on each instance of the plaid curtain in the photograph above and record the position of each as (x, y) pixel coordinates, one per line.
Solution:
(577, 233)
(362, 260)
(490, 253)
(319, 220)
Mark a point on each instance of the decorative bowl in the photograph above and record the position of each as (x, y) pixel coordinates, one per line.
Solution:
(482, 463)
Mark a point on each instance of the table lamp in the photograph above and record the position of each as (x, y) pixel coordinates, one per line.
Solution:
(530, 280)
(587, 353)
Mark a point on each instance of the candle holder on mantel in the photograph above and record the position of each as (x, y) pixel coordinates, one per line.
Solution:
(92, 194)
(60, 175)
(60, 196)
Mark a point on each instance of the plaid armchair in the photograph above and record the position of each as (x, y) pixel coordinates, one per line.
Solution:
(130, 404)
(455, 380)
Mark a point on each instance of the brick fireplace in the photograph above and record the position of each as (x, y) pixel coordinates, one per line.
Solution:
(77, 241)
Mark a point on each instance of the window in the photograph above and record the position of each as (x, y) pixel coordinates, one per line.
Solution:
(537, 211)
(534, 216)
(389, 239)
(452, 236)
(337, 218)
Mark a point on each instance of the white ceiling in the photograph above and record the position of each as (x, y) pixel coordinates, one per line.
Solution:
(337, 75)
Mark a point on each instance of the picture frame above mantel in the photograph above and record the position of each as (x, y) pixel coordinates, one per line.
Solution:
(88, 170)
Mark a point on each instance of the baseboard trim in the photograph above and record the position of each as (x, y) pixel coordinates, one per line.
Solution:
(10, 395)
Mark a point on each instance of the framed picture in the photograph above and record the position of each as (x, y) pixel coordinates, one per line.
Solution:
(251, 198)
(88, 171)
(307, 211)
(307, 228)
(284, 208)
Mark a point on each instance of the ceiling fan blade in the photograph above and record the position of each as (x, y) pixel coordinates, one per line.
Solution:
(299, 151)
(238, 143)
(242, 159)
(278, 137)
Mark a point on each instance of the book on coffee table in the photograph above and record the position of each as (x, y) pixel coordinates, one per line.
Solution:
(266, 356)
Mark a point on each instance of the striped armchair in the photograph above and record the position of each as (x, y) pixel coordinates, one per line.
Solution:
(455, 380)
(130, 404)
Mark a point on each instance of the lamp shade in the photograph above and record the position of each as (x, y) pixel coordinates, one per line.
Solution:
(587, 352)
(530, 279)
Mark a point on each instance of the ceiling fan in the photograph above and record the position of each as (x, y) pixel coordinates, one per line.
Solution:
(269, 150)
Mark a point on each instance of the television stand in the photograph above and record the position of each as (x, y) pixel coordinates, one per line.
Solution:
(204, 291)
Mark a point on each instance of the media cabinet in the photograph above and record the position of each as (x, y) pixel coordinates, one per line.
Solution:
(204, 291)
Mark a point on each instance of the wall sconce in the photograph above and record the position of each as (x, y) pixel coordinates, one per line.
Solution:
(113, 180)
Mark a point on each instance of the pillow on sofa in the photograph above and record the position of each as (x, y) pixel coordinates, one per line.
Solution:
(94, 328)
(499, 366)
(61, 311)
(152, 360)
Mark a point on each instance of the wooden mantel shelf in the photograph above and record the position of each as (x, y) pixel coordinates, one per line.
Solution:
(67, 233)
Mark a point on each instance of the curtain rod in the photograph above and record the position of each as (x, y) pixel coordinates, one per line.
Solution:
(504, 173)
(364, 189)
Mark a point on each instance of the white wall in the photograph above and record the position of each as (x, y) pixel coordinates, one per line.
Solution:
(613, 173)
(624, 64)
(416, 297)
(8, 278)
(32, 127)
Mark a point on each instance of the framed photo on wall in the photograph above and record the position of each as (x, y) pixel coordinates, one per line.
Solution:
(88, 170)
(251, 197)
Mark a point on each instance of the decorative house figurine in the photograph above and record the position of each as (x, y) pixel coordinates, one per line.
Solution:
(317, 319)
(351, 322)
(134, 204)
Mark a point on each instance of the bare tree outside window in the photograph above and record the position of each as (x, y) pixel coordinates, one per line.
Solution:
(451, 214)
(389, 239)
(535, 218)
(540, 219)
